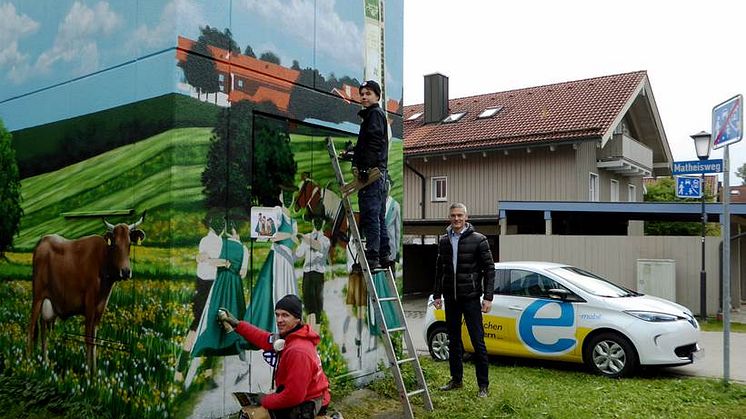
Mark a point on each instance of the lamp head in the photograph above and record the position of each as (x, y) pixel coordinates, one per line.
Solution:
(703, 144)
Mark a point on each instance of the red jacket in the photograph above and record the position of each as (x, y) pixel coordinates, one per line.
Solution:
(299, 377)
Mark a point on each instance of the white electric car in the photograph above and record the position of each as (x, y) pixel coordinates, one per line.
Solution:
(554, 311)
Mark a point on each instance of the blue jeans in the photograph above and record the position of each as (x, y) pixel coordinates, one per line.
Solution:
(372, 203)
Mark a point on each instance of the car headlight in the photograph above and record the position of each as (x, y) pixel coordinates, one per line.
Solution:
(652, 316)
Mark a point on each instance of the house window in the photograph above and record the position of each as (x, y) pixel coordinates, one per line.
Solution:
(440, 188)
(454, 117)
(240, 83)
(631, 193)
(221, 82)
(414, 116)
(489, 112)
(593, 187)
(614, 191)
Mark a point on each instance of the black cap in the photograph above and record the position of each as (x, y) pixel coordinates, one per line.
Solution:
(372, 85)
(292, 304)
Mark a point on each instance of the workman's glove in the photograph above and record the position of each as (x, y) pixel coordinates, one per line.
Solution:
(362, 175)
(225, 316)
(348, 153)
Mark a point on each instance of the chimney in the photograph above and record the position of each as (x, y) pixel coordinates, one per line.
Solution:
(436, 97)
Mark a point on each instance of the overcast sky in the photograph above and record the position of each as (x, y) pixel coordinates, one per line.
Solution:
(694, 52)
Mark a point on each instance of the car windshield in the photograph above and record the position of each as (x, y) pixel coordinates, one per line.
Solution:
(592, 283)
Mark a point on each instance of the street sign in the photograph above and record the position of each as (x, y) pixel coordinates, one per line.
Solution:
(697, 167)
(688, 187)
(727, 122)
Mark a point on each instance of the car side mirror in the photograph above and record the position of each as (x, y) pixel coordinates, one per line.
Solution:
(558, 294)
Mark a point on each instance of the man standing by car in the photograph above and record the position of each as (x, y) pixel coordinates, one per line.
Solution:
(465, 277)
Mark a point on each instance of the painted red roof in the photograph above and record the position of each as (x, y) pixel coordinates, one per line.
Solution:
(555, 112)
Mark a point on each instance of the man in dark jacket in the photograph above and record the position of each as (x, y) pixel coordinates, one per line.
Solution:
(302, 387)
(372, 150)
(465, 276)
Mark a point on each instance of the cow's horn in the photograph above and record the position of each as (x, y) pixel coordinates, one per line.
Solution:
(108, 225)
(134, 226)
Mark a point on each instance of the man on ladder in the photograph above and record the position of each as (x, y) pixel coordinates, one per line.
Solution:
(371, 151)
(369, 167)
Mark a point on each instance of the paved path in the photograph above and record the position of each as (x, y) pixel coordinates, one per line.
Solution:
(710, 365)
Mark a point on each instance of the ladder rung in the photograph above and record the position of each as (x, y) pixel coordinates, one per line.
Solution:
(402, 361)
(387, 299)
(397, 329)
(416, 392)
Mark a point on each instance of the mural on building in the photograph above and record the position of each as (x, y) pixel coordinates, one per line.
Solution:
(213, 123)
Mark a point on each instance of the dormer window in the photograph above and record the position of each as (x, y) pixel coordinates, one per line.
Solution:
(489, 112)
(414, 116)
(454, 117)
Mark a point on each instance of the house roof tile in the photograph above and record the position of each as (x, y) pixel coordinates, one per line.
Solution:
(556, 112)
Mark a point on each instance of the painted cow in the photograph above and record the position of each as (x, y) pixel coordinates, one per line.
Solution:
(75, 277)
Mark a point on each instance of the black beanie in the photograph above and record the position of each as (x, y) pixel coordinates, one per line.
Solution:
(372, 85)
(292, 304)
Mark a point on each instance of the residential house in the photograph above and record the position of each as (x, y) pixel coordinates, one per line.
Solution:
(553, 172)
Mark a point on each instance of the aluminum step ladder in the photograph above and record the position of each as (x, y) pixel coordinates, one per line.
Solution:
(392, 299)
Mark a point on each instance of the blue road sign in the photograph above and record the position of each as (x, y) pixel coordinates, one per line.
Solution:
(697, 167)
(727, 122)
(688, 187)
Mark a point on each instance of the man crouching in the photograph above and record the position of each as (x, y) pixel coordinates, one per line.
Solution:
(302, 387)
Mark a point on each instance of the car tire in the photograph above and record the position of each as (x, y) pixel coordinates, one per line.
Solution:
(437, 343)
(611, 355)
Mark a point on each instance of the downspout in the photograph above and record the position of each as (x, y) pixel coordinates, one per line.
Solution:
(422, 193)
(422, 182)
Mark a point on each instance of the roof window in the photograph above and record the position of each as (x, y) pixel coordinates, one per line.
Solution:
(489, 112)
(414, 116)
(454, 117)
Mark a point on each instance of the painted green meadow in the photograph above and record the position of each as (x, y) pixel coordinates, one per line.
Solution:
(147, 317)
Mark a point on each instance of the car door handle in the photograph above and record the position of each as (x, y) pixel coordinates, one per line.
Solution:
(516, 308)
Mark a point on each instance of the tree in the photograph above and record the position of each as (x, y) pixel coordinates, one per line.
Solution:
(664, 190)
(249, 52)
(741, 172)
(270, 57)
(244, 169)
(10, 192)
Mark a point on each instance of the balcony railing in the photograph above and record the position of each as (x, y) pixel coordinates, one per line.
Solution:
(626, 156)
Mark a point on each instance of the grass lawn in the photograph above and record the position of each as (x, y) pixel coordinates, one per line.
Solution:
(712, 325)
(553, 391)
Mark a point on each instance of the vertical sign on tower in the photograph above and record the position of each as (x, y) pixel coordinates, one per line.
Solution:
(374, 46)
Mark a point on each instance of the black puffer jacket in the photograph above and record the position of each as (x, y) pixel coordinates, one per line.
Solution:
(475, 270)
(372, 148)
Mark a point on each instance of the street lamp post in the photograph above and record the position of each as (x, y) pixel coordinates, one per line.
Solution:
(702, 143)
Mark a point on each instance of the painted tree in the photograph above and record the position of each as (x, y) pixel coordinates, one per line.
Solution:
(249, 52)
(270, 57)
(246, 164)
(199, 69)
(10, 192)
(223, 40)
(741, 172)
(199, 66)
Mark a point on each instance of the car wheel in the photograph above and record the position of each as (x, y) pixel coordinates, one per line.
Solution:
(611, 355)
(437, 342)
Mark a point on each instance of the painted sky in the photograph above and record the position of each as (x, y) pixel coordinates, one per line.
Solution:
(63, 58)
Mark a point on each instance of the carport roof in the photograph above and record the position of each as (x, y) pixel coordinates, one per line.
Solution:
(648, 211)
